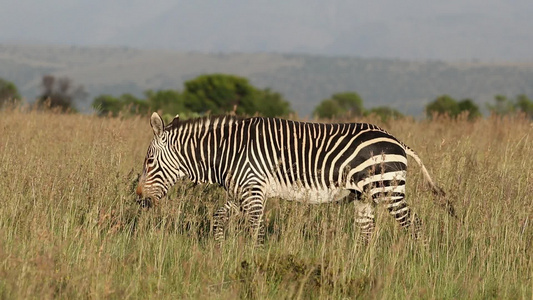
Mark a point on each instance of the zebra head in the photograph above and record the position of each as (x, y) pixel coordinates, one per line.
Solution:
(161, 168)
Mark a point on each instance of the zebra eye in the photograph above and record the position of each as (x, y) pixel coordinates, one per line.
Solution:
(150, 161)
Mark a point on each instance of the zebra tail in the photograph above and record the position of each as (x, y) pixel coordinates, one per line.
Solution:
(442, 199)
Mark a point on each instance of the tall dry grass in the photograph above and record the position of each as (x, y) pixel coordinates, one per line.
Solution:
(70, 228)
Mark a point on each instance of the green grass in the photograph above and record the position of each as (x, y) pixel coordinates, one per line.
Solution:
(70, 228)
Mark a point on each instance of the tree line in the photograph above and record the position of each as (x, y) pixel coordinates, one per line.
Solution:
(214, 94)
(224, 93)
(348, 105)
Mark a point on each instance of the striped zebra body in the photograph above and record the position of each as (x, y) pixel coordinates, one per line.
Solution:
(258, 158)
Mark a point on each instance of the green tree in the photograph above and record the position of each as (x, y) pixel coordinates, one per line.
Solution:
(60, 93)
(272, 104)
(328, 109)
(524, 105)
(469, 106)
(385, 113)
(502, 106)
(446, 105)
(340, 105)
(106, 105)
(126, 104)
(443, 105)
(134, 105)
(8, 92)
(216, 93)
(167, 101)
(220, 93)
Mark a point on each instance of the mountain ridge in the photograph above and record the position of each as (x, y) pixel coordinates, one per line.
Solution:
(303, 79)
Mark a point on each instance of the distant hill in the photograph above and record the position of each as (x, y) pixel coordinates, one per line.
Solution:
(490, 30)
(304, 80)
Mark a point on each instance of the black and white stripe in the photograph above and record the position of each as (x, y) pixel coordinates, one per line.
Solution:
(257, 158)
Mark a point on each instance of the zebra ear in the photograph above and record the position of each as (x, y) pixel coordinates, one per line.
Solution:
(175, 121)
(157, 124)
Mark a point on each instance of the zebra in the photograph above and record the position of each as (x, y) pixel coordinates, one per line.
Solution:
(258, 158)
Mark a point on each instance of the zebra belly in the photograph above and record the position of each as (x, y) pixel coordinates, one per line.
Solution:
(313, 195)
(299, 192)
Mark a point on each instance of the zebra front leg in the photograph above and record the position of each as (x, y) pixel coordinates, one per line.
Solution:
(365, 219)
(253, 208)
(221, 218)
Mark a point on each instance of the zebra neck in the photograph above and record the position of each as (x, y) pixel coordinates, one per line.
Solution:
(202, 144)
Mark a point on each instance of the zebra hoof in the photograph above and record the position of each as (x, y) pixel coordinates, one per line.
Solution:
(144, 203)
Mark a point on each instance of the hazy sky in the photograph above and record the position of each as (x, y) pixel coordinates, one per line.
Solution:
(489, 30)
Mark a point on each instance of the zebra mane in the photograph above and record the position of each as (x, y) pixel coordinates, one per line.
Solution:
(202, 121)
(211, 119)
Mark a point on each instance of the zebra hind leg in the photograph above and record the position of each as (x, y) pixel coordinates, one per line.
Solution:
(401, 211)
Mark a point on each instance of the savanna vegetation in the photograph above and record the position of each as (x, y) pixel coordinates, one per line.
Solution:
(220, 93)
(206, 94)
(9, 93)
(70, 227)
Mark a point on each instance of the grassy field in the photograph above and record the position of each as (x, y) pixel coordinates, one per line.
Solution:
(70, 228)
